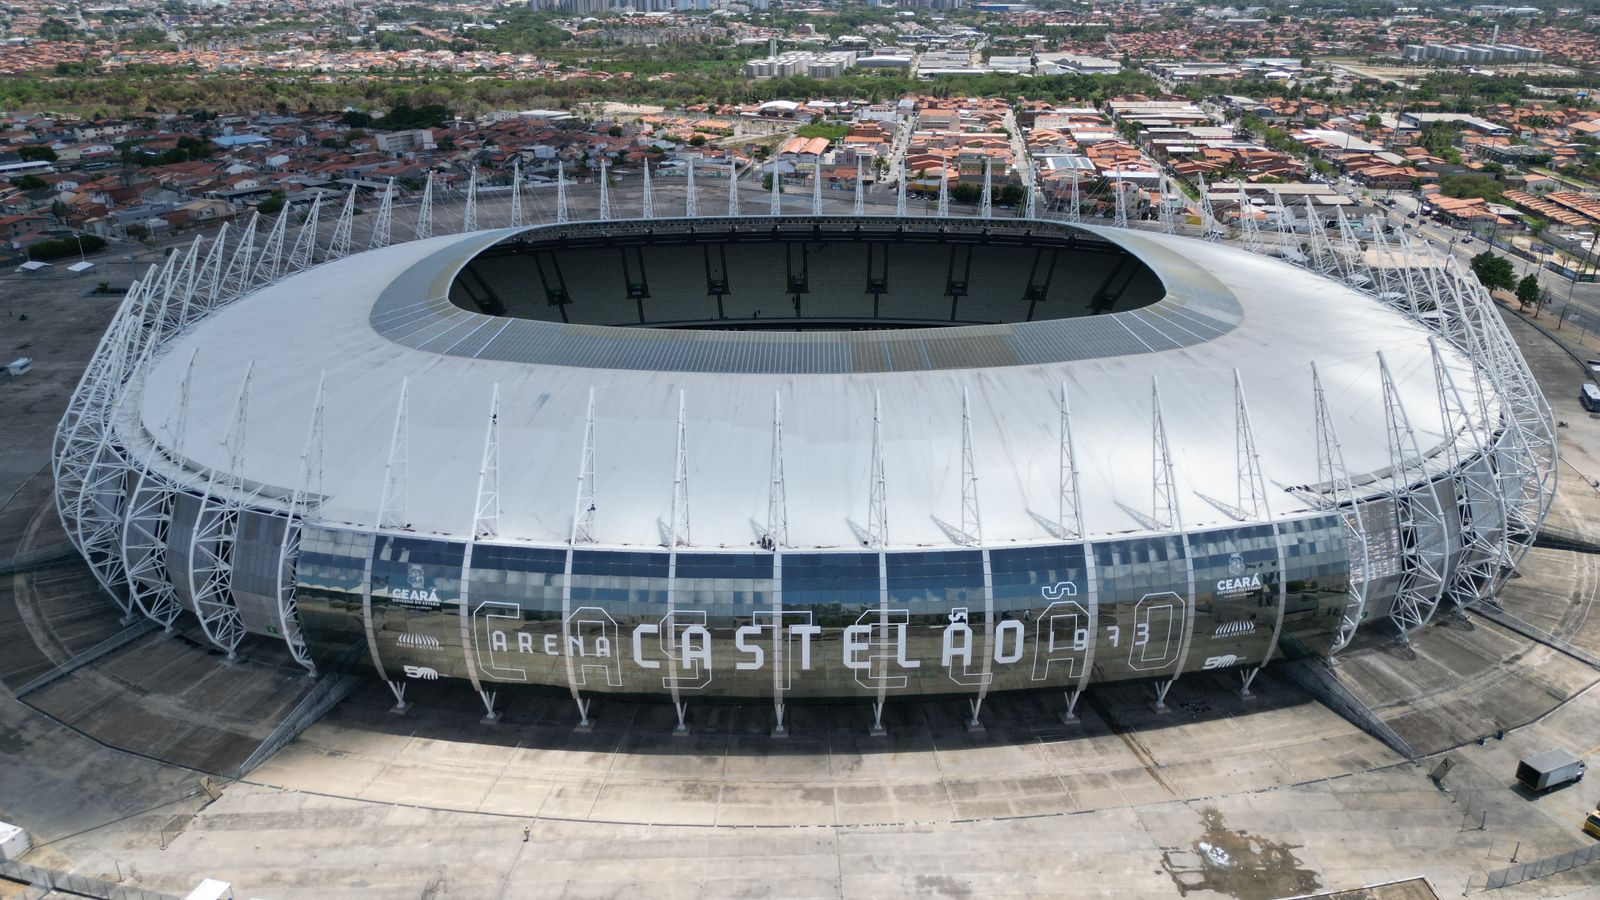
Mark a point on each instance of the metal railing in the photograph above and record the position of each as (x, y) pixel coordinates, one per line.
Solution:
(323, 696)
(1540, 868)
(38, 558)
(79, 885)
(125, 636)
(1316, 677)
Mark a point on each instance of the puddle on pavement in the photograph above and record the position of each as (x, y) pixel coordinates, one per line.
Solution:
(1237, 863)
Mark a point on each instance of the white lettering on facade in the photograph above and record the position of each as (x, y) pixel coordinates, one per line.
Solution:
(410, 597)
(805, 633)
(696, 644)
(1010, 631)
(900, 649)
(1236, 585)
(638, 646)
(741, 643)
(857, 640)
(951, 650)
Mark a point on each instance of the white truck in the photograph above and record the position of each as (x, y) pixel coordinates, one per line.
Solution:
(1548, 769)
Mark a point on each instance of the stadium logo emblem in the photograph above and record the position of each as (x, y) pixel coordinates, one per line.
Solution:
(1241, 582)
(425, 673)
(1234, 629)
(417, 593)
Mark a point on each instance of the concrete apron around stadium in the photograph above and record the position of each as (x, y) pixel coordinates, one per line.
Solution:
(729, 771)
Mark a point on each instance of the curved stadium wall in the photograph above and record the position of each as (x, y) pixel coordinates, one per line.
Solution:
(802, 457)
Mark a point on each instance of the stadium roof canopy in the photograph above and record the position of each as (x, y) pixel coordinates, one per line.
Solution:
(370, 322)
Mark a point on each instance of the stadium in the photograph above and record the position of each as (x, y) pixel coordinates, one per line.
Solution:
(803, 457)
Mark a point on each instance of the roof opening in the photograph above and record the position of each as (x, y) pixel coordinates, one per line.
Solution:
(802, 274)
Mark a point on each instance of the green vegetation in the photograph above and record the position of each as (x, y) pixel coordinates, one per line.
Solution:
(148, 39)
(1439, 140)
(1452, 91)
(525, 31)
(1494, 271)
(1464, 186)
(1273, 137)
(402, 116)
(29, 182)
(189, 149)
(57, 30)
(1528, 291)
(36, 152)
(61, 248)
(272, 205)
(823, 130)
(130, 92)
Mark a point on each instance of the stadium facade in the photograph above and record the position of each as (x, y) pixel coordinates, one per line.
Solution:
(790, 457)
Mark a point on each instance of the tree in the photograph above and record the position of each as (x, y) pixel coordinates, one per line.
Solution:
(61, 248)
(272, 205)
(57, 30)
(1494, 271)
(965, 193)
(698, 140)
(614, 131)
(36, 153)
(1528, 291)
(29, 182)
(1466, 186)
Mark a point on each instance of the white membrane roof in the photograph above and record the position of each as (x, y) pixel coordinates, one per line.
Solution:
(320, 323)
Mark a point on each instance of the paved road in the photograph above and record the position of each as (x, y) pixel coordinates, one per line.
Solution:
(1019, 149)
(1576, 305)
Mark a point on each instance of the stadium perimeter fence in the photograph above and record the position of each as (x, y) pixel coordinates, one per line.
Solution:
(1539, 868)
(49, 880)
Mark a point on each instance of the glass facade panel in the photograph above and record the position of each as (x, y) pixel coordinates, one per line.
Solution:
(731, 595)
(416, 597)
(1236, 582)
(836, 591)
(933, 635)
(1318, 582)
(515, 594)
(257, 545)
(1385, 561)
(1046, 589)
(1144, 599)
(930, 592)
(327, 591)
